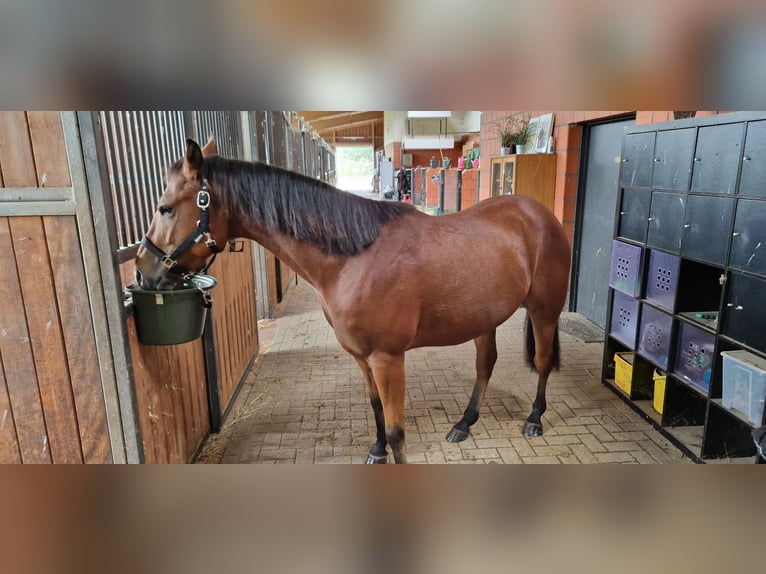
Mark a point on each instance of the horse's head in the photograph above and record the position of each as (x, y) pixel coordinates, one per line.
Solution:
(188, 226)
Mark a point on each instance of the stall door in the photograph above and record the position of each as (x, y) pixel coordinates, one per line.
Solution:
(598, 201)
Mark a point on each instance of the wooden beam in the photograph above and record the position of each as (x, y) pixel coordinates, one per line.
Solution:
(323, 115)
(350, 119)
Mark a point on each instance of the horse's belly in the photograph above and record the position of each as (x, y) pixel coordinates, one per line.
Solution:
(453, 326)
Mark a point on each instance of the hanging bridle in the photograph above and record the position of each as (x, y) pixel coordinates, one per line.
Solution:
(202, 231)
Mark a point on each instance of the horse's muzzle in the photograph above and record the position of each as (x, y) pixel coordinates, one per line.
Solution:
(151, 275)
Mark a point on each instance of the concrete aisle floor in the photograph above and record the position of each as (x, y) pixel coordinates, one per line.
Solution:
(305, 402)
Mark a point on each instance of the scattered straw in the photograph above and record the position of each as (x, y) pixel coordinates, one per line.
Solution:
(216, 444)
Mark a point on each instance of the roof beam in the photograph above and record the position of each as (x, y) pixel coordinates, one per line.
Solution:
(344, 120)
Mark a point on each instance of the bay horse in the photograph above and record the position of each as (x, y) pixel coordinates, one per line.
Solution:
(389, 277)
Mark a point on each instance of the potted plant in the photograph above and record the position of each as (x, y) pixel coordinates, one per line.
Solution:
(523, 134)
(505, 129)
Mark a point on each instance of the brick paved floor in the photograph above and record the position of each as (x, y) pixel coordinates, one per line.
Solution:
(305, 401)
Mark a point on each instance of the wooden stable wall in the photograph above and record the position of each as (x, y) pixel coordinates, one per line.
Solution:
(52, 405)
(172, 382)
(236, 328)
(75, 384)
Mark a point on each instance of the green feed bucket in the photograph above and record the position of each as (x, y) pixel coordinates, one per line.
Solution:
(172, 317)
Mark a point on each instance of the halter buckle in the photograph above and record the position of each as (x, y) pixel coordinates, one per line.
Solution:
(203, 199)
(168, 261)
(211, 244)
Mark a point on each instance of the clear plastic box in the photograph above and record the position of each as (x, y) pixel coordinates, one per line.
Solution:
(744, 384)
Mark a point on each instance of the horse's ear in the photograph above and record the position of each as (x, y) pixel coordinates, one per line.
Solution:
(192, 160)
(210, 148)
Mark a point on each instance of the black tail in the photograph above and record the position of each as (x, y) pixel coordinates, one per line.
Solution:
(529, 348)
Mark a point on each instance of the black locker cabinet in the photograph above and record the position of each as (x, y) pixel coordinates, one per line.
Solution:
(692, 210)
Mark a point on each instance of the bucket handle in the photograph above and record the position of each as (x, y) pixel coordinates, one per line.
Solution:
(207, 299)
(127, 302)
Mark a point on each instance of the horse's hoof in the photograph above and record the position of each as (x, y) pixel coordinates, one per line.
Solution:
(377, 458)
(457, 435)
(532, 429)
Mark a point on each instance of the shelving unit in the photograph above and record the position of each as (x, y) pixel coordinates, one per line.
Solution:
(688, 277)
(532, 175)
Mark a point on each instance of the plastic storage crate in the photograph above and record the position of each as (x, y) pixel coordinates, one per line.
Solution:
(623, 371)
(625, 270)
(658, 401)
(654, 335)
(744, 384)
(662, 279)
(694, 358)
(624, 324)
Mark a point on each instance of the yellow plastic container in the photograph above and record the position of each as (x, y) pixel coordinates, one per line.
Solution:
(659, 391)
(623, 371)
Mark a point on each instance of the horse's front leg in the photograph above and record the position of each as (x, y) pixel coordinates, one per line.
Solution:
(486, 357)
(388, 376)
(378, 453)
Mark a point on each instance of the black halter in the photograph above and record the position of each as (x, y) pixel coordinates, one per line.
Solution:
(202, 231)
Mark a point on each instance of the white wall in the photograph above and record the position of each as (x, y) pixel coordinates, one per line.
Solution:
(459, 123)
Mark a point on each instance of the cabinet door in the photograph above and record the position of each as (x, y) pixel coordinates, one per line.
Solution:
(707, 225)
(666, 220)
(748, 245)
(497, 181)
(634, 214)
(637, 160)
(508, 169)
(716, 159)
(672, 159)
(744, 314)
(753, 179)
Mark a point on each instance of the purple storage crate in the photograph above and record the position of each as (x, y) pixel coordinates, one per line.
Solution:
(654, 335)
(624, 323)
(625, 271)
(694, 358)
(662, 279)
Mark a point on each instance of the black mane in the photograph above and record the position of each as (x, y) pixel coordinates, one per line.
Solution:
(302, 207)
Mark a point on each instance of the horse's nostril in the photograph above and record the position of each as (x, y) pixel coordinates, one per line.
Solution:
(139, 277)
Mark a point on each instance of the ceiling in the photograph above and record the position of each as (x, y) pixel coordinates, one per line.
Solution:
(347, 127)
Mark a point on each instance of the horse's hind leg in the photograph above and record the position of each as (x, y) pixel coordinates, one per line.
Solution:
(388, 375)
(542, 353)
(486, 356)
(378, 453)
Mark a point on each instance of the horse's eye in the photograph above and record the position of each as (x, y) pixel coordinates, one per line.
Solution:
(165, 209)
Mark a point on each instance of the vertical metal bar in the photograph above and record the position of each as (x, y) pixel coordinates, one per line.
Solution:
(130, 196)
(146, 172)
(134, 139)
(440, 208)
(423, 186)
(459, 190)
(110, 161)
(155, 167)
(247, 144)
(289, 145)
(190, 126)
(94, 203)
(267, 137)
(211, 373)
